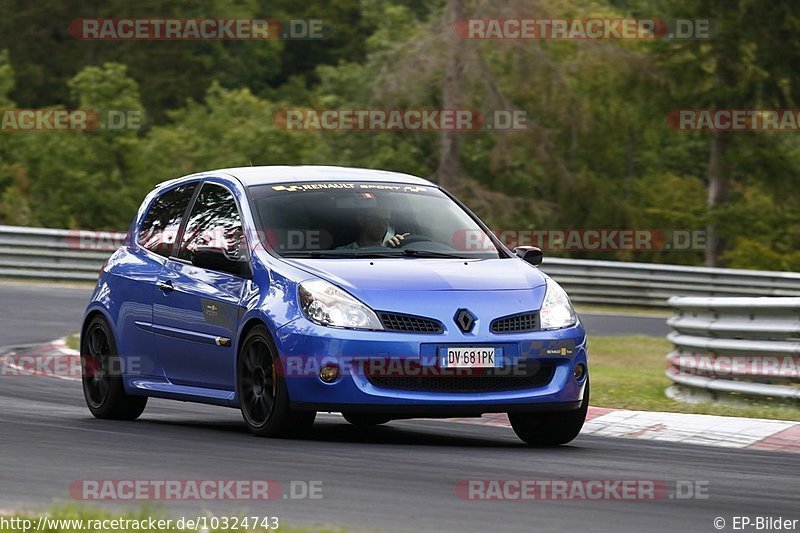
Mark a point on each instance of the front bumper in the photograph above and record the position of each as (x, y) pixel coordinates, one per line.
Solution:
(305, 347)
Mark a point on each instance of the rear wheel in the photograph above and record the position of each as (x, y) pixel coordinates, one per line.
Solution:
(102, 377)
(365, 419)
(262, 392)
(550, 428)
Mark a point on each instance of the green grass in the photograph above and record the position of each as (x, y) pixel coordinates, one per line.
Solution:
(628, 373)
(87, 514)
(74, 341)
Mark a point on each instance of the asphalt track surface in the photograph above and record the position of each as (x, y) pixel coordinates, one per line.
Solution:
(401, 476)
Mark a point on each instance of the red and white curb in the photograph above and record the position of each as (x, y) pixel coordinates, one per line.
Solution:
(53, 359)
(706, 430)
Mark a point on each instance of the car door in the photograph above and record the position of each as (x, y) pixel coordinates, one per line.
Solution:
(196, 310)
(138, 269)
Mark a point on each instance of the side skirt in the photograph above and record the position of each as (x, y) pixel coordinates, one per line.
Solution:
(163, 388)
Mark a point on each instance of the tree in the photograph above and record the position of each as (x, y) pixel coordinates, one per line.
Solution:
(738, 68)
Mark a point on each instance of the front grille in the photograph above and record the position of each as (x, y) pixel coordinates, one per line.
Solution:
(409, 323)
(516, 323)
(486, 380)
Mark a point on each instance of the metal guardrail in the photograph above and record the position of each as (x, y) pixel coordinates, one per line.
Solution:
(69, 255)
(739, 346)
(647, 284)
(54, 254)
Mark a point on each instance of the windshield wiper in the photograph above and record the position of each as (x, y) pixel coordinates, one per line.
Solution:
(316, 253)
(405, 252)
(430, 253)
(339, 254)
(366, 254)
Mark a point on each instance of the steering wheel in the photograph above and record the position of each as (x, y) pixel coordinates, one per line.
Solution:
(411, 239)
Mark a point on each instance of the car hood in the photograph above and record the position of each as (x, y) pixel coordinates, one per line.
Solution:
(416, 274)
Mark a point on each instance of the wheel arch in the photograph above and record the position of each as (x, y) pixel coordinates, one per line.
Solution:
(90, 315)
(247, 326)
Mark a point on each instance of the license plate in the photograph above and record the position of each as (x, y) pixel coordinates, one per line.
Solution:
(469, 357)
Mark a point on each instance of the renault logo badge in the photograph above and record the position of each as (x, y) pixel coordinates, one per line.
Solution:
(464, 320)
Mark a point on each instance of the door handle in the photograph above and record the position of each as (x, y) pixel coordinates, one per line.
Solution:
(165, 286)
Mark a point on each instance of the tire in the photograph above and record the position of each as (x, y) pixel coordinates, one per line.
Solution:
(550, 428)
(263, 398)
(101, 377)
(365, 419)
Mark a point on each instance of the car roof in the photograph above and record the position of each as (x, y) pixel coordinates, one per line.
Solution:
(283, 174)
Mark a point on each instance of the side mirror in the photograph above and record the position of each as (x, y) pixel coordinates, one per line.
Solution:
(219, 260)
(530, 254)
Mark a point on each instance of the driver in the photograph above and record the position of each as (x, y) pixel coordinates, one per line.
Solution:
(375, 230)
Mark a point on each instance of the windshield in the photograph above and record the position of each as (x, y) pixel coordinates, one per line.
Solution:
(366, 219)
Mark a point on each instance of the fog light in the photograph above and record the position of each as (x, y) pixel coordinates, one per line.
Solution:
(579, 371)
(329, 373)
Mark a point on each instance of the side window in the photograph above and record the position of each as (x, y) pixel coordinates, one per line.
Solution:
(215, 222)
(160, 226)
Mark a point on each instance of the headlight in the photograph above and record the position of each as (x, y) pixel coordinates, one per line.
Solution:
(328, 305)
(556, 311)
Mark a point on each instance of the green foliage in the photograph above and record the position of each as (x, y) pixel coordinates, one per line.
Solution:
(229, 128)
(6, 79)
(105, 88)
(81, 178)
(597, 152)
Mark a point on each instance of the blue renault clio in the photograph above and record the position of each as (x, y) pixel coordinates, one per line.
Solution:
(283, 291)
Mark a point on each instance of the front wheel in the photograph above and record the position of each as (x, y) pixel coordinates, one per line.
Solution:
(550, 428)
(263, 398)
(101, 375)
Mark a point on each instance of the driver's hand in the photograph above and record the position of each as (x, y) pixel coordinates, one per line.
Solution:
(395, 241)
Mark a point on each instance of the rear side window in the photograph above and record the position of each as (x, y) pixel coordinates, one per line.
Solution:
(214, 222)
(160, 225)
